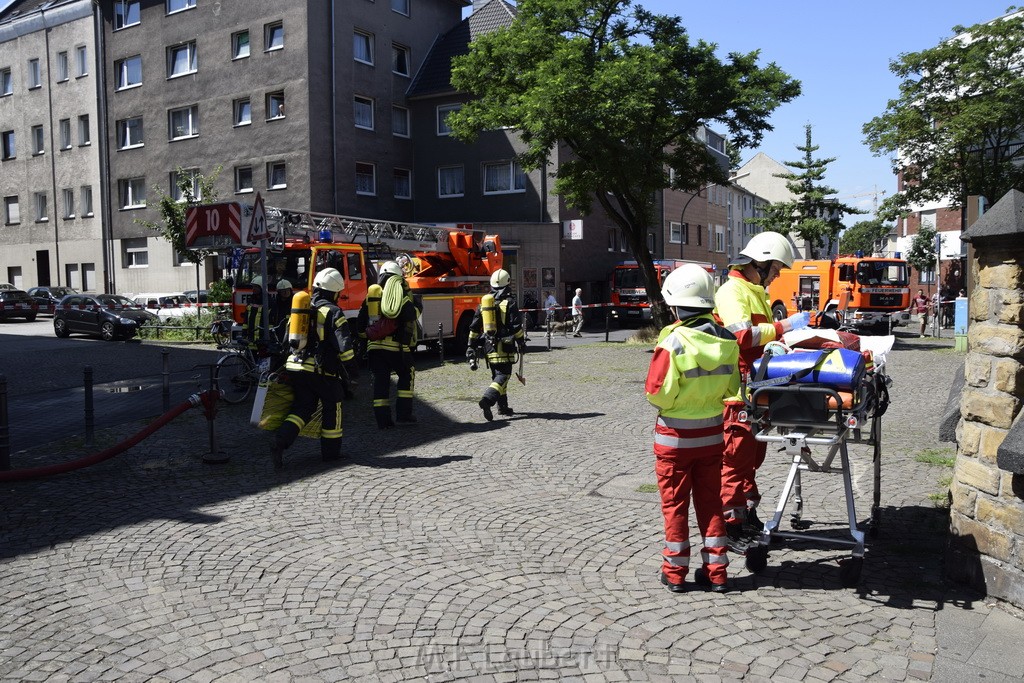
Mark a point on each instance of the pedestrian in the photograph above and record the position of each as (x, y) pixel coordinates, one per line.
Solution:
(921, 305)
(693, 370)
(391, 352)
(316, 372)
(577, 313)
(551, 306)
(497, 332)
(742, 306)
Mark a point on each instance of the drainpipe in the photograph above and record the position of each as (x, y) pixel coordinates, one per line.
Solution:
(103, 194)
(334, 118)
(53, 149)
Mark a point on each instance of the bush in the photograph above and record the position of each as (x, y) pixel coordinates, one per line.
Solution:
(189, 327)
(218, 292)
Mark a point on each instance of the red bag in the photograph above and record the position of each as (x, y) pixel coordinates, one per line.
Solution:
(847, 340)
(381, 327)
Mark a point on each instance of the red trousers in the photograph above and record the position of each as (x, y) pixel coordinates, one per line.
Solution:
(743, 455)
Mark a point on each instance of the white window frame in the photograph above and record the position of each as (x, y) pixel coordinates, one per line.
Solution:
(42, 210)
(12, 210)
(515, 175)
(442, 113)
(125, 129)
(675, 232)
(396, 50)
(122, 73)
(363, 104)
(408, 178)
(269, 100)
(272, 166)
(268, 36)
(135, 252)
(237, 109)
(403, 115)
(175, 6)
(239, 171)
(64, 126)
(84, 137)
(192, 122)
(176, 194)
(440, 189)
(131, 193)
(366, 38)
(86, 200)
(68, 198)
(401, 8)
(81, 61)
(38, 140)
(237, 47)
(192, 59)
(125, 14)
(363, 170)
(62, 66)
(35, 78)
(6, 82)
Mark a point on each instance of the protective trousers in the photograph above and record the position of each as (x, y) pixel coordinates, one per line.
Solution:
(310, 388)
(743, 455)
(495, 393)
(382, 364)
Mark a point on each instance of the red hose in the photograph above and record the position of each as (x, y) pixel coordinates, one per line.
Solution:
(48, 470)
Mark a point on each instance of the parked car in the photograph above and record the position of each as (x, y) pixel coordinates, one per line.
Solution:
(49, 297)
(109, 316)
(15, 303)
(165, 305)
(7, 285)
(191, 296)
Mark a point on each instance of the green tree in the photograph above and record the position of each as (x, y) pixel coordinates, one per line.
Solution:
(954, 128)
(922, 249)
(625, 91)
(863, 236)
(812, 214)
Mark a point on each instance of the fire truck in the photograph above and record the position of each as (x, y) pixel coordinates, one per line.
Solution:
(448, 269)
(864, 292)
(628, 292)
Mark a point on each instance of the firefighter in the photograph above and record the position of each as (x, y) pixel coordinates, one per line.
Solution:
(742, 306)
(497, 330)
(281, 309)
(254, 313)
(316, 372)
(693, 370)
(393, 352)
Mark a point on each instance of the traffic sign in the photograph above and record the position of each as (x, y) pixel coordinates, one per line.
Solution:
(213, 225)
(258, 222)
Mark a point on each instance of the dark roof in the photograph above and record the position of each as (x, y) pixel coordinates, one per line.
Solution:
(435, 74)
(19, 7)
(1006, 217)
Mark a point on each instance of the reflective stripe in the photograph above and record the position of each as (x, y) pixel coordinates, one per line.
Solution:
(741, 325)
(699, 442)
(674, 344)
(678, 560)
(330, 433)
(693, 373)
(296, 420)
(404, 393)
(381, 402)
(674, 547)
(716, 541)
(712, 559)
(687, 423)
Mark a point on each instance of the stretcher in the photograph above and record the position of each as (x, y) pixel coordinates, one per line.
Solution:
(800, 417)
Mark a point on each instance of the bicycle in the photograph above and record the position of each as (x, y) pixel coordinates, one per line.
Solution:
(239, 370)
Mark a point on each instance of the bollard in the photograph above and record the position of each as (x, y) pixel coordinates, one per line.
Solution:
(607, 325)
(89, 412)
(440, 342)
(166, 379)
(215, 456)
(548, 316)
(5, 427)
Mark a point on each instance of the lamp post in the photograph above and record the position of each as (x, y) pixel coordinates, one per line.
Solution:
(682, 219)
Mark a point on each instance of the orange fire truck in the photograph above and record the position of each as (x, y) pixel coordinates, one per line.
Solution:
(449, 269)
(628, 292)
(865, 292)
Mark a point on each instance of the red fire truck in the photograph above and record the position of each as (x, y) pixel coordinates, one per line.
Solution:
(629, 294)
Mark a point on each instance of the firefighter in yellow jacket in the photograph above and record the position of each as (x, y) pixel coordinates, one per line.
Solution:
(497, 332)
(693, 369)
(316, 372)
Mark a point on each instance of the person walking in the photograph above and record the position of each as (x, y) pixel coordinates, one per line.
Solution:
(316, 372)
(693, 370)
(391, 352)
(551, 307)
(742, 307)
(921, 306)
(577, 313)
(497, 331)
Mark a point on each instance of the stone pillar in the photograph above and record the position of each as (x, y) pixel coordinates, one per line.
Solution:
(986, 548)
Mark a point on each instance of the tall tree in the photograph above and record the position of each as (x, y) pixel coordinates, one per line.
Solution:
(922, 249)
(625, 91)
(863, 236)
(812, 215)
(954, 131)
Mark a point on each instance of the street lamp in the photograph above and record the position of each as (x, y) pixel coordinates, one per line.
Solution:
(682, 220)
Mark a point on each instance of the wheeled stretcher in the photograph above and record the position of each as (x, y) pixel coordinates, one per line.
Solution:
(802, 416)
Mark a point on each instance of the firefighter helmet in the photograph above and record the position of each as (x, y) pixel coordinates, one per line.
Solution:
(689, 286)
(500, 278)
(769, 246)
(257, 282)
(329, 280)
(282, 285)
(390, 268)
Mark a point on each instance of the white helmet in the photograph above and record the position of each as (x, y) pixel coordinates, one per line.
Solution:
(282, 284)
(500, 278)
(329, 280)
(257, 281)
(689, 285)
(769, 246)
(390, 268)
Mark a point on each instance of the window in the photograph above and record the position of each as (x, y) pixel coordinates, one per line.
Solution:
(191, 177)
(130, 133)
(442, 115)
(42, 214)
(184, 122)
(362, 47)
(719, 238)
(69, 202)
(451, 181)
(400, 121)
(128, 72)
(273, 36)
(504, 176)
(403, 183)
(126, 13)
(243, 112)
(400, 59)
(65, 133)
(240, 45)
(37, 140)
(81, 61)
(700, 236)
(613, 239)
(34, 76)
(366, 179)
(7, 144)
(685, 233)
(675, 232)
(179, 5)
(86, 200)
(400, 6)
(181, 59)
(6, 82)
(276, 175)
(363, 112)
(62, 67)
(134, 252)
(243, 178)
(132, 193)
(275, 105)
(83, 130)
(12, 214)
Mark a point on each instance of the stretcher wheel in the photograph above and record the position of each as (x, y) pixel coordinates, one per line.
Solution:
(757, 558)
(849, 571)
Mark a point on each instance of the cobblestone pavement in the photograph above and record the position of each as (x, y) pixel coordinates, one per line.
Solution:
(523, 549)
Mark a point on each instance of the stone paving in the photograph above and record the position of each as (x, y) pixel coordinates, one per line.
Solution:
(523, 549)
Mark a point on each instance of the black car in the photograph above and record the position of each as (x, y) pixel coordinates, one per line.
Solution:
(49, 297)
(109, 316)
(15, 303)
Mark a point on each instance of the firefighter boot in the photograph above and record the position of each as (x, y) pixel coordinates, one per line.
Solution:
(330, 449)
(403, 410)
(701, 578)
(485, 405)
(752, 524)
(739, 540)
(383, 415)
(503, 408)
(276, 454)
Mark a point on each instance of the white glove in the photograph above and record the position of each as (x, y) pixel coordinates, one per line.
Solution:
(797, 321)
